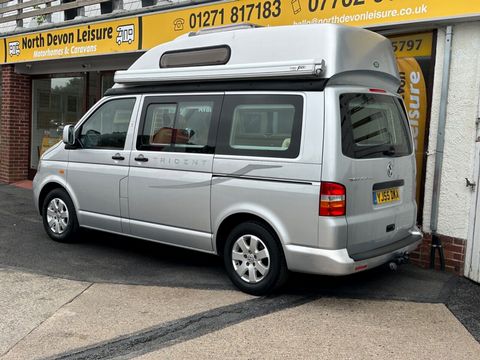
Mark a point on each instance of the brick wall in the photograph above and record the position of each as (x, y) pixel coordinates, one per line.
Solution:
(453, 248)
(14, 125)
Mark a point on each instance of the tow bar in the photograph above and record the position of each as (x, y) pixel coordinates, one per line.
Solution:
(399, 260)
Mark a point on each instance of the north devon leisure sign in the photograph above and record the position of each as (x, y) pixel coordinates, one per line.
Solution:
(143, 32)
(93, 39)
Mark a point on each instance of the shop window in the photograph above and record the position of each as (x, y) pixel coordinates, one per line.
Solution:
(56, 103)
(107, 82)
(146, 3)
(106, 7)
(70, 14)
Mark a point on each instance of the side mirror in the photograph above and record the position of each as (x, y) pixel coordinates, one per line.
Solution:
(69, 135)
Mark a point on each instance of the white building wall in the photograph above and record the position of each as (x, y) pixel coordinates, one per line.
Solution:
(460, 132)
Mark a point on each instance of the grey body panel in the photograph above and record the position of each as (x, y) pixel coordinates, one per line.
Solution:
(289, 206)
(171, 189)
(94, 178)
(343, 49)
(367, 223)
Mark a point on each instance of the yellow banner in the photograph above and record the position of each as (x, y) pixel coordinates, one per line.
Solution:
(414, 93)
(414, 45)
(93, 39)
(3, 45)
(125, 35)
(365, 13)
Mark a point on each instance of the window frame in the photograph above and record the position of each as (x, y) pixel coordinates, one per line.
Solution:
(217, 100)
(79, 144)
(230, 103)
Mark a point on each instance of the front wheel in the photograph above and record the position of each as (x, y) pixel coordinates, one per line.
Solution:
(59, 217)
(254, 259)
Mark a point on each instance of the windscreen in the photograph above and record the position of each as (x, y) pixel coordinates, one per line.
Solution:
(373, 126)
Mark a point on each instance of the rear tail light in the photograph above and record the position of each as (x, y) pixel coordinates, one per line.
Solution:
(332, 199)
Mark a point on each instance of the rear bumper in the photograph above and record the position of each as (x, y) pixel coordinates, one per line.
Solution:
(339, 262)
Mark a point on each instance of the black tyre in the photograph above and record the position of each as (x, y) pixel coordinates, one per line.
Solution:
(254, 259)
(59, 217)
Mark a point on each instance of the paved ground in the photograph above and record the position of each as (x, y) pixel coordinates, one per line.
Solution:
(114, 297)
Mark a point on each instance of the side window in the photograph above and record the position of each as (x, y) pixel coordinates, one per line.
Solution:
(182, 124)
(107, 127)
(261, 125)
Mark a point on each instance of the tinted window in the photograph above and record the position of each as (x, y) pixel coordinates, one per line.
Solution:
(373, 126)
(182, 125)
(107, 127)
(261, 125)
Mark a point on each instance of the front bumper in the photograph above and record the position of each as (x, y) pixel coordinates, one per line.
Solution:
(338, 262)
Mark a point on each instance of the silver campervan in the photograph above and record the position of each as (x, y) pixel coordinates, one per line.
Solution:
(280, 148)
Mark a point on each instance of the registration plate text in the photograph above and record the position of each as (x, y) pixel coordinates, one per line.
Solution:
(386, 196)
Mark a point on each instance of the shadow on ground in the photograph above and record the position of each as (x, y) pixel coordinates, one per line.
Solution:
(102, 257)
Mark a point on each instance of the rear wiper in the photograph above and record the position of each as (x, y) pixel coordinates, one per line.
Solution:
(389, 152)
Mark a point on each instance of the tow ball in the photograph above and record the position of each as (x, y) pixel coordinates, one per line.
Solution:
(399, 260)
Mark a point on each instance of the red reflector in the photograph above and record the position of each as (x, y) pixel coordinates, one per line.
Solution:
(361, 267)
(332, 199)
(378, 91)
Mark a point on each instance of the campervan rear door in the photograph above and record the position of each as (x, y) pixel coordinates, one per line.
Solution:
(368, 149)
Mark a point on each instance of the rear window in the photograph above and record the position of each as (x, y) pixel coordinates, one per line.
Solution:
(374, 126)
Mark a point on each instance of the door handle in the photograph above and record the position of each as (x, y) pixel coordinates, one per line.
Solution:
(141, 158)
(117, 156)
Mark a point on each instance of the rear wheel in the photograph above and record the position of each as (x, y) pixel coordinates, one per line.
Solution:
(254, 259)
(59, 217)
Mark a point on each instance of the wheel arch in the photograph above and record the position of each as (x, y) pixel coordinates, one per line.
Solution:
(46, 189)
(232, 220)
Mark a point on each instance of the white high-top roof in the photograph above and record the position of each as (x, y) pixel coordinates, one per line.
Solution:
(316, 51)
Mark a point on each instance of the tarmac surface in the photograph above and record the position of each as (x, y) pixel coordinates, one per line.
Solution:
(115, 297)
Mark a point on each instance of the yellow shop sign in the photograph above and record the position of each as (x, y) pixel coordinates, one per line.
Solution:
(415, 45)
(93, 39)
(126, 35)
(414, 92)
(364, 13)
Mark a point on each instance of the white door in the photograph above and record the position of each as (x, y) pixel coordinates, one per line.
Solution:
(472, 258)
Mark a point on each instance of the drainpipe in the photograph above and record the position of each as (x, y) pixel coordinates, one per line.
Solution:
(436, 243)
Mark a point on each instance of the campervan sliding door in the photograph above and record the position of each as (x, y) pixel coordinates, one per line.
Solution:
(171, 169)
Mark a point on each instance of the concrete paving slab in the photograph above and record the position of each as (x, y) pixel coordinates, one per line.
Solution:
(106, 311)
(337, 329)
(27, 300)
